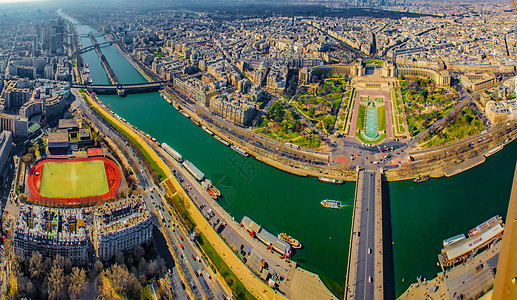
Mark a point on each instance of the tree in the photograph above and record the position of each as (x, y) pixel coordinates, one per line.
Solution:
(28, 158)
(152, 269)
(119, 257)
(116, 282)
(23, 197)
(36, 265)
(77, 282)
(164, 286)
(16, 268)
(56, 282)
(59, 261)
(32, 150)
(30, 289)
(98, 267)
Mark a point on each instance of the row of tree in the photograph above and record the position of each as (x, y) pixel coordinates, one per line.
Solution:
(124, 277)
(40, 278)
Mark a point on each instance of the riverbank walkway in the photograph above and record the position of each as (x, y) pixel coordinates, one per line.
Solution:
(365, 260)
(252, 283)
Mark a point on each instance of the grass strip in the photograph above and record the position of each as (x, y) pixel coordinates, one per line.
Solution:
(382, 118)
(379, 139)
(153, 165)
(360, 117)
(240, 292)
(179, 205)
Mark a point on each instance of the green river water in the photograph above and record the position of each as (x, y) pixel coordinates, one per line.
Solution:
(422, 214)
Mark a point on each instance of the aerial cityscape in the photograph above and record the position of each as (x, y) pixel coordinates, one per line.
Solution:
(300, 149)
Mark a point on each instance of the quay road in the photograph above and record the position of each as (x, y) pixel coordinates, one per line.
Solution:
(184, 265)
(365, 268)
(294, 282)
(290, 156)
(251, 282)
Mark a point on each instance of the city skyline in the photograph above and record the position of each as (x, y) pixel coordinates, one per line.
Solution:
(340, 150)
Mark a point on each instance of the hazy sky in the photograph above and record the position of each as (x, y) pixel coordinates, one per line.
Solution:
(19, 1)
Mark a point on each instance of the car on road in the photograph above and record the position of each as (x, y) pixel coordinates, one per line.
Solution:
(193, 257)
(369, 250)
(370, 279)
(181, 237)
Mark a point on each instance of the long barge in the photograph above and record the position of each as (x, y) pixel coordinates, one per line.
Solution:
(193, 170)
(184, 114)
(240, 151)
(493, 150)
(220, 139)
(207, 130)
(172, 152)
(271, 241)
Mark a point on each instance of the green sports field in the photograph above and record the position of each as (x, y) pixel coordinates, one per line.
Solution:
(74, 179)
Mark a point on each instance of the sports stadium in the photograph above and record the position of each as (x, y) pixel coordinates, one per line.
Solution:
(74, 181)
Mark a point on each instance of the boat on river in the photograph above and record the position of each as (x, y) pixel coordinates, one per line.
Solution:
(212, 194)
(289, 239)
(240, 151)
(193, 170)
(331, 203)
(453, 240)
(493, 150)
(483, 226)
(212, 187)
(421, 179)
(194, 121)
(330, 180)
(220, 139)
(172, 152)
(207, 130)
(184, 113)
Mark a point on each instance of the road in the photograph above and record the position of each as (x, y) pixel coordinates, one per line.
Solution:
(230, 229)
(210, 288)
(365, 273)
(365, 262)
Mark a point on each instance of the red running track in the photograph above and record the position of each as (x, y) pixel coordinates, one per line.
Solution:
(34, 182)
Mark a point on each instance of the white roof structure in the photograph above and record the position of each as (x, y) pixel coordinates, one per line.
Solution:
(473, 242)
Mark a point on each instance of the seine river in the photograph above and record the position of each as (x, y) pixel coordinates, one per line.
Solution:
(422, 214)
